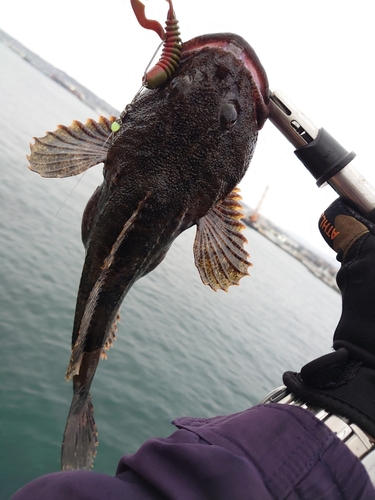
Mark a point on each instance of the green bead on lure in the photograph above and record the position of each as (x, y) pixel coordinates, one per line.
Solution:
(115, 127)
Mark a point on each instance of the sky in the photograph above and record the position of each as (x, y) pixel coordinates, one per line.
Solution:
(320, 54)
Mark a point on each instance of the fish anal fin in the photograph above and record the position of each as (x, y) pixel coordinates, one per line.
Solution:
(110, 339)
(71, 150)
(219, 251)
(75, 361)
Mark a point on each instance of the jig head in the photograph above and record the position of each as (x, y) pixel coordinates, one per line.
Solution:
(171, 53)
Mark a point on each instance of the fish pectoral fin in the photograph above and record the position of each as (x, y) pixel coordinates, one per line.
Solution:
(71, 150)
(219, 251)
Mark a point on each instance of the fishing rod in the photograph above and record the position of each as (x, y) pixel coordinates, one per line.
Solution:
(322, 155)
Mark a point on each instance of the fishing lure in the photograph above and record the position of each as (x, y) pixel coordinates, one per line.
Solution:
(172, 45)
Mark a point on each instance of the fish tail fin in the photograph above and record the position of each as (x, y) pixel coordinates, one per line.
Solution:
(80, 435)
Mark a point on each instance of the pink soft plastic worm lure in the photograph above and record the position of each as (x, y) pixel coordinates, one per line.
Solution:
(171, 54)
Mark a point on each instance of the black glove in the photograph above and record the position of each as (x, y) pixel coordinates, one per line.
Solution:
(343, 382)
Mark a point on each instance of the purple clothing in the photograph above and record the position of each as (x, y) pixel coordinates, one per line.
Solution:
(267, 452)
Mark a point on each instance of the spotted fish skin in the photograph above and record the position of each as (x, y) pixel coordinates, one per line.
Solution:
(175, 162)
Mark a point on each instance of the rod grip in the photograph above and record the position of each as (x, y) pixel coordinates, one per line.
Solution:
(324, 157)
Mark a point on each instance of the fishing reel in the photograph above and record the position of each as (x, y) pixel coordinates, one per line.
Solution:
(322, 155)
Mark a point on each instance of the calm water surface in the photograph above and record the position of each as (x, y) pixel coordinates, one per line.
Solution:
(181, 350)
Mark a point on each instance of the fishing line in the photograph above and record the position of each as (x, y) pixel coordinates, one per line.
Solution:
(111, 135)
(152, 58)
(67, 197)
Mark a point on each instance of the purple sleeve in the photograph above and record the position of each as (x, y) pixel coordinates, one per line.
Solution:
(266, 452)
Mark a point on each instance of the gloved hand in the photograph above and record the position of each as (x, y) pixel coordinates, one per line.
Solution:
(343, 382)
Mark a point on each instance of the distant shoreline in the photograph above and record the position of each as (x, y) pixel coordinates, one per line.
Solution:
(315, 263)
(60, 77)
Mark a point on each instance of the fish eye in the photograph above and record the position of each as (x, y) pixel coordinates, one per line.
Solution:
(227, 116)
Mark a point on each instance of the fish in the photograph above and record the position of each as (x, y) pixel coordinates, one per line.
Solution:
(173, 160)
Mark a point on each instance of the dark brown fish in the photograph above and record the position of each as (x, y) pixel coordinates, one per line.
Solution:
(175, 161)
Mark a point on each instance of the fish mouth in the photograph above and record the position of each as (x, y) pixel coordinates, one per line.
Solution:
(238, 46)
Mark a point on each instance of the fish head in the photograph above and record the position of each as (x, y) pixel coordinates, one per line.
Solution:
(197, 133)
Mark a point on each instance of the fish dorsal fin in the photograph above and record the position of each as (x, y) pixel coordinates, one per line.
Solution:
(219, 244)
(71, 150)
